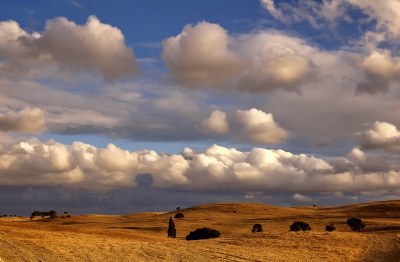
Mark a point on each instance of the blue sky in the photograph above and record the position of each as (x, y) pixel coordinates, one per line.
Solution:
(121, 106)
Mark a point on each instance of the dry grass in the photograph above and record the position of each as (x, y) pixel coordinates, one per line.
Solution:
(143, 237)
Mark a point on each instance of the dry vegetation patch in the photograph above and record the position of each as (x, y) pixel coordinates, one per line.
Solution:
(143, 237)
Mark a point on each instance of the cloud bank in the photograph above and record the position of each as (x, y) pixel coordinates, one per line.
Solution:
(81, 166)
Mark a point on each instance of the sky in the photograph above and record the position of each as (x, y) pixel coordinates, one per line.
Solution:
(117, 106)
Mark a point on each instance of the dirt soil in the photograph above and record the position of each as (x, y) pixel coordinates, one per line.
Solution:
(143, 237)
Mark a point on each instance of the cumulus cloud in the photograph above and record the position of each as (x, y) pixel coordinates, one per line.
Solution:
(260, 127)
(382, 135)
(275, 60)
(100, 169)
(380, 68)
(302, 198)
(200, 56)
(66, 45)
(204, 55)
(249, 125)
(380, 18)
(30, 120)
(217, 123)
(84, 166)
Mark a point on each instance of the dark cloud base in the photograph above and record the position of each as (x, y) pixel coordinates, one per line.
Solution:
(22, 200)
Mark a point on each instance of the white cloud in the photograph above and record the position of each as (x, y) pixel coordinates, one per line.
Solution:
(381, 68)
(274, 60)
(382, 18)
(97, 169)
(260, 127)
(386, 13)
(216, 123)
(382, 135)
(66, 45)
(302, 198)
(30, 120)
(313, 12)
(205, 55)
(200, 56)
(270, 6)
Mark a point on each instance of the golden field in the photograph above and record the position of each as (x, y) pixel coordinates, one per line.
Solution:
(143, 236)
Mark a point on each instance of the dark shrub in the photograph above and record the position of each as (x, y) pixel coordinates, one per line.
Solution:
(179, 215)
(65, 212)
(330, 228)
(257, 228)
(68, 216)
(355, 224)
(203, 233)
(171, 228)
(299, 226)
(52, 214)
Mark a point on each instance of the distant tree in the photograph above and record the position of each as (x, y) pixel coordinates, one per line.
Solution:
(355, 224)
(203, 233)
(52, 214)
(330, 228)
(65, 212)
(171, 228)
(299, 226)
(257, 228)
(178, 208)
(179, 215)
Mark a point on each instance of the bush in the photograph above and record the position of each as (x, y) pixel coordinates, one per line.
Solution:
(257, 228)
(51, 214)
(203, 233)
(299, 226)
(355, 224)
(330, 228)
(171, 228)
(179, 215)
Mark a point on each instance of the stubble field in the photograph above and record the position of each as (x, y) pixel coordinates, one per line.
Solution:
(143, 236)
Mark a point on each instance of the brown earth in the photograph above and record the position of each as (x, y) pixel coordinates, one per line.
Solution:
(143, 237)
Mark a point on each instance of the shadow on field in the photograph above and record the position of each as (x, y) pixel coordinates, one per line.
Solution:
(382, 229)
(392, 256)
